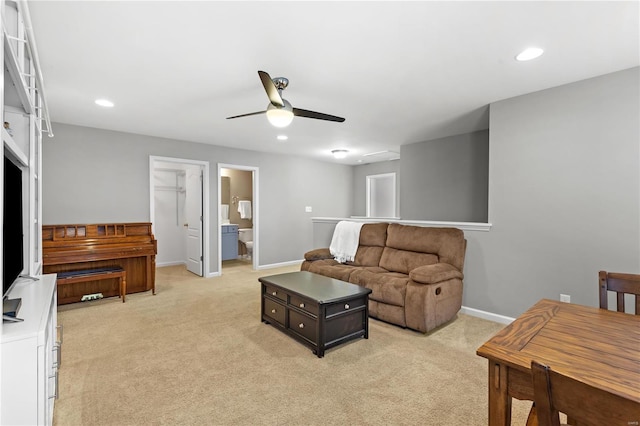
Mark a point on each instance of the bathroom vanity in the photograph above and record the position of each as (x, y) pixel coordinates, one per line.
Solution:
(229, 242)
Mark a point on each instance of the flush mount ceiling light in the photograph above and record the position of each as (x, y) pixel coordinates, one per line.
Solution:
(283, 137)
(104, 103)
(529, 54)
(339, 153)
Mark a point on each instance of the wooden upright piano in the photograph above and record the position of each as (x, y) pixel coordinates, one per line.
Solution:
(131, 246)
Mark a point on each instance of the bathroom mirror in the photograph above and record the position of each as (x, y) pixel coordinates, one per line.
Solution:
(225, 190)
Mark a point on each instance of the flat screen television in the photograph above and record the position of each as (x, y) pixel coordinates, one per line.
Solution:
(12, 226)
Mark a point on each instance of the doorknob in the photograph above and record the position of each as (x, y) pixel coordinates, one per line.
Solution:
(186, 225)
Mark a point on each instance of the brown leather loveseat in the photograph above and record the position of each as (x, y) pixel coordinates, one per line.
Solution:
(414, 272)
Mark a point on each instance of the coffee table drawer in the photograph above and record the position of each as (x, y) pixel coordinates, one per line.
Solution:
(304, 304)
(303, 326)
(278, 293)
(338, 308)
(275, 311)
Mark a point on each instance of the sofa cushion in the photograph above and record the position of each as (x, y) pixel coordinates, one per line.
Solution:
(367, 256)
(372, 239)
(373, 234)
(448, 243)
(332, 269)
(405, 261)
(387, 287)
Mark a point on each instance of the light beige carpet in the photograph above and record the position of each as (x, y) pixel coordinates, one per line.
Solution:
(197, 354)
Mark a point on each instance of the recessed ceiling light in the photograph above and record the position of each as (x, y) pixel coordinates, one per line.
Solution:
(529, 54)
(104, 103)
(340, 153)
(283, 137)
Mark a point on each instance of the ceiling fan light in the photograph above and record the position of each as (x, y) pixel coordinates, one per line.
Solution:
(339, 153)
(280, 116)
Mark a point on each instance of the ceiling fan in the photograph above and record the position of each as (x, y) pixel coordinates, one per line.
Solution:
(279, 112)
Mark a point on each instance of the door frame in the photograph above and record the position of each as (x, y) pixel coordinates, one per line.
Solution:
(254, 183)
(204, 165)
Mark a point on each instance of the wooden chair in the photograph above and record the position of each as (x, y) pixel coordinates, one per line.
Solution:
(582, 403)
(622, 284)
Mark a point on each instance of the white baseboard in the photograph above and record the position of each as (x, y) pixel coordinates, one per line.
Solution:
(486, 315)
(161, 264)
(278, 265)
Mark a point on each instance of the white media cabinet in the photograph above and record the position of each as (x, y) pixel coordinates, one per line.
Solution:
(31, 355)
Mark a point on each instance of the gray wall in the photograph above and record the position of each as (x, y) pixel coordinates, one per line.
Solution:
(91, 175)
(564, 195)
(446, 179)
(360, 174)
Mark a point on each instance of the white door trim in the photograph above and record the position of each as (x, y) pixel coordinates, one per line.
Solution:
(205, 201)
(256, 210)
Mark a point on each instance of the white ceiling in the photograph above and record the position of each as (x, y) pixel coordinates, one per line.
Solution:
(399, 72)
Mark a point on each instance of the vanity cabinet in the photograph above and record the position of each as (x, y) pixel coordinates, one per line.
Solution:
(229, 242)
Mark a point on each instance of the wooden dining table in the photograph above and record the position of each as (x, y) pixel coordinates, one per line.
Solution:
(595, 346)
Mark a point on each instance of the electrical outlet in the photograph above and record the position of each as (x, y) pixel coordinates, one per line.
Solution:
(565, 298)
(308, 209)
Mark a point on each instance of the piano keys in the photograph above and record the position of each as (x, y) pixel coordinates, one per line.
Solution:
(131, 246)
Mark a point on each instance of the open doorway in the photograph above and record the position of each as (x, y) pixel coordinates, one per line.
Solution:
(238, 234)
(179, 212)
(381, 195)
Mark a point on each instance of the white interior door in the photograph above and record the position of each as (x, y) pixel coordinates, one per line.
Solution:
(193, 216)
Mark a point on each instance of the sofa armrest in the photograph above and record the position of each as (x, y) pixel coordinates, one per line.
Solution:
(318, 254)
(432, 274)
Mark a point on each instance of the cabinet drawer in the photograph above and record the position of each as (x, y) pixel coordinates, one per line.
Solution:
(303, 326)
(229, 229)
(275, 311)
(338, 308)
(304, 304)
(276, 292)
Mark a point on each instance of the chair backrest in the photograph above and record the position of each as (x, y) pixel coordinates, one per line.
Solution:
(622, 284)
(556, 393)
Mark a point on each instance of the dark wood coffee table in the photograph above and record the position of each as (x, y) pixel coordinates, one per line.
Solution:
(318, 311)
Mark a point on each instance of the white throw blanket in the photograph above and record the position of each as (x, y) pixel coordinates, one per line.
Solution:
(344, 243)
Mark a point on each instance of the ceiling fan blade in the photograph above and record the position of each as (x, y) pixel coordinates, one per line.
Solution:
(246, 115)
(318, 115)
(270, 88)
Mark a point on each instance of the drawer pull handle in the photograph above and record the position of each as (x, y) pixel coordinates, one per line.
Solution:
(302, 305)
(346, 306)
(301, 325)
(274, 293)
(273, 311)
